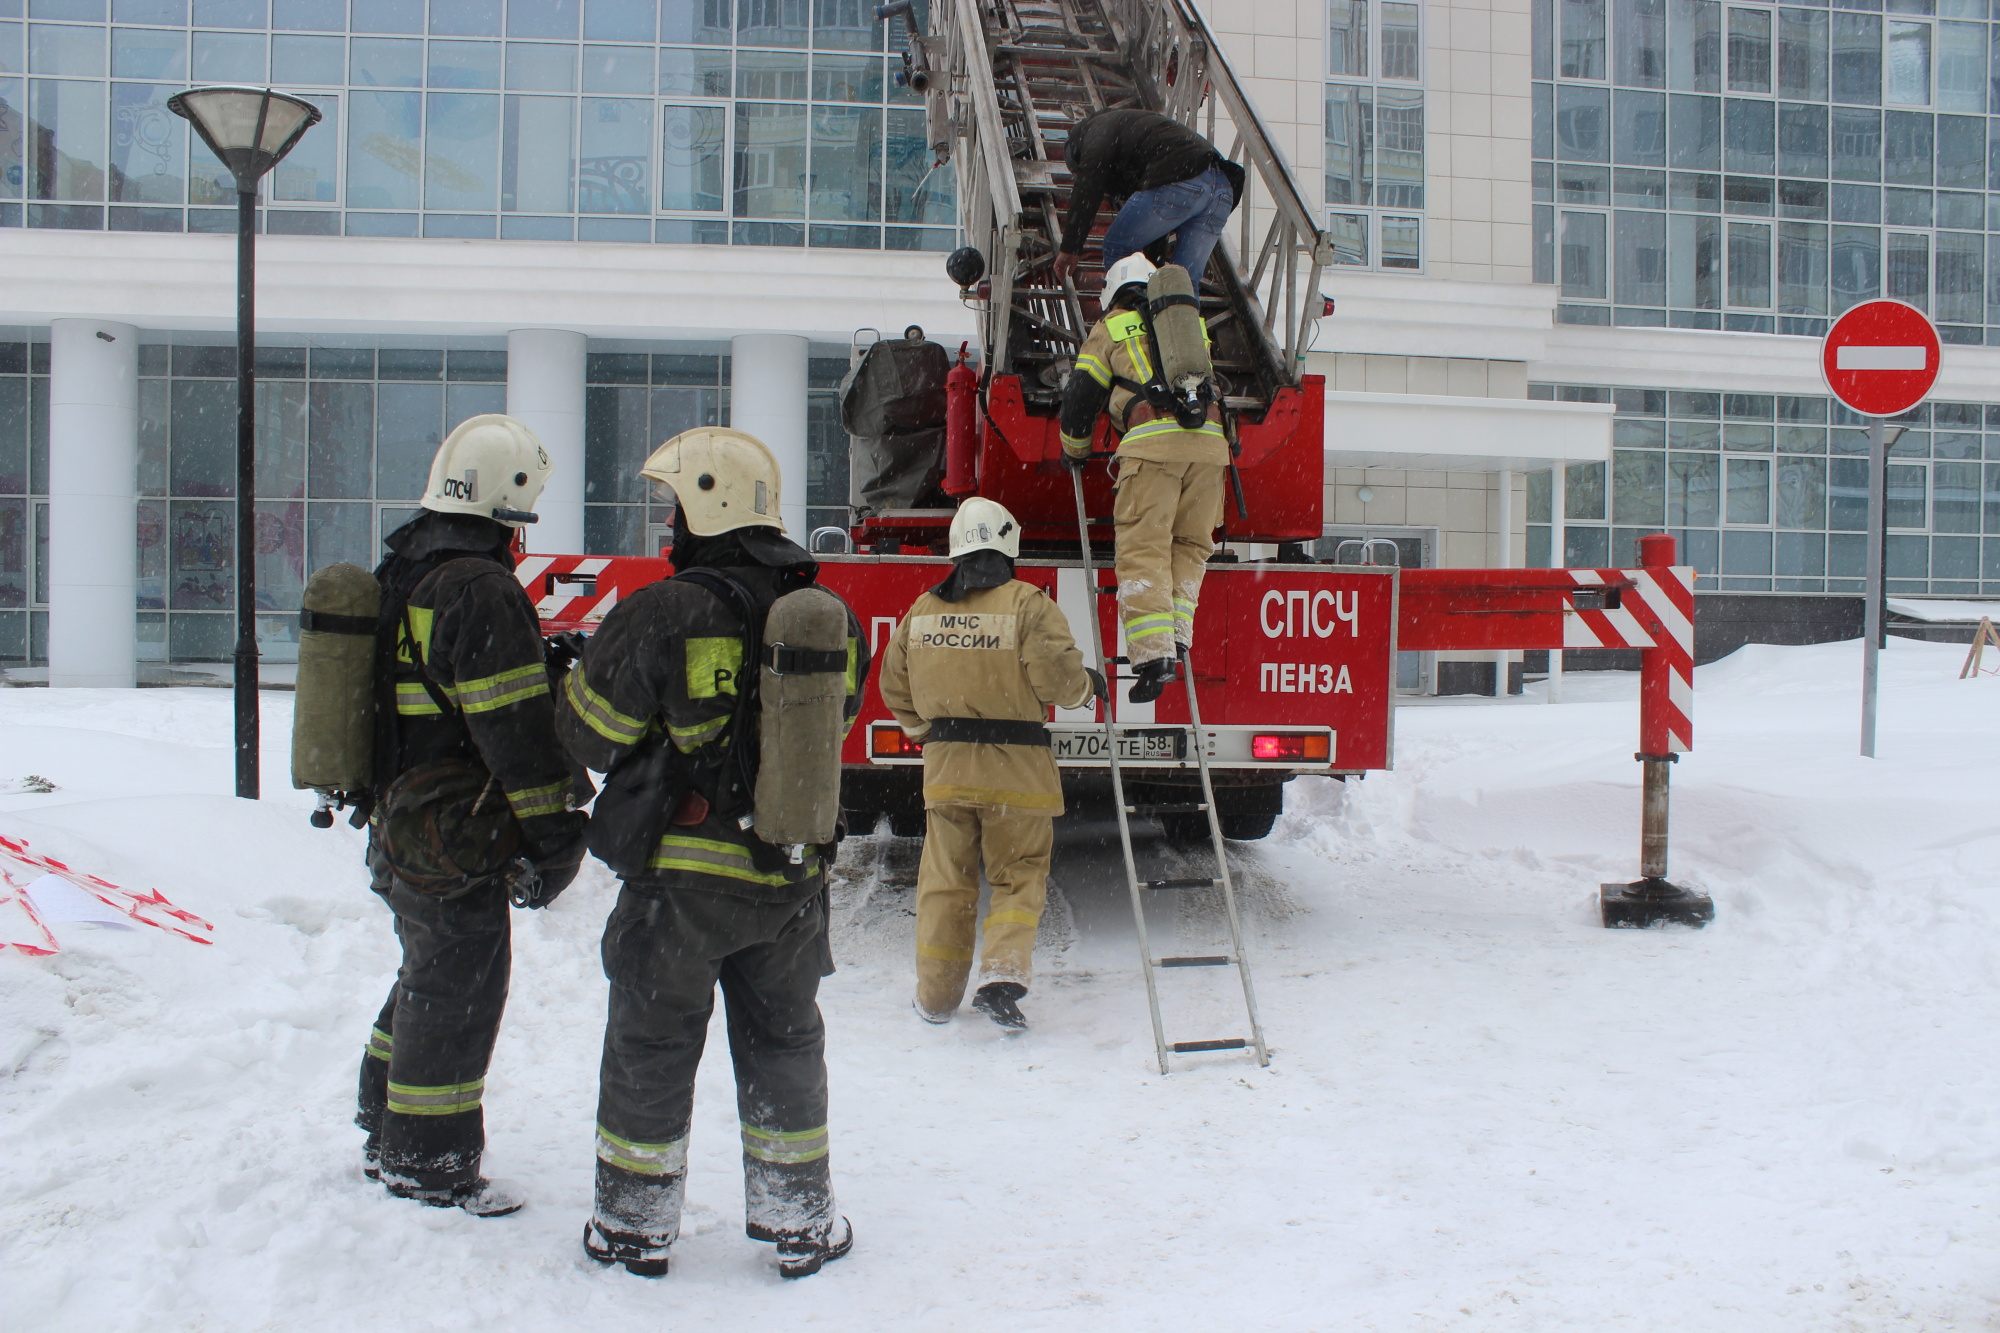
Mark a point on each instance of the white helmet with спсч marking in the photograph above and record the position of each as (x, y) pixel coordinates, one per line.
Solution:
(984, 525)
(492, 466)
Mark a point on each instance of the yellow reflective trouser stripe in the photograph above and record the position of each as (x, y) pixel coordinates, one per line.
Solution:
(698, 735)
(488, 693)
(1014, 916)
(645, 1159)
(1145, 627)
(805, 1145)
(532, 801)
(447, 1099)
(413, 700)
(1183, 616)
(943, 953)
(1076, 444)
(598, 714)
(712, 664)
(1096, 369)
(380, 1044)
(1167, 425)
(706, 856)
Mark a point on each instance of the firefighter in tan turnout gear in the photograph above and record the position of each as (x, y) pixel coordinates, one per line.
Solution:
(674, 702)
(970, 673)
(1169, 475)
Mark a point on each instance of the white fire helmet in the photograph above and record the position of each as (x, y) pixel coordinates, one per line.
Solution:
(722, 479)
(984, 525)
(1134, 267)
(492, 466)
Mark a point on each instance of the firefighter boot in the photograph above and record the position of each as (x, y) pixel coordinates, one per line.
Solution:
(1149, 681)
(641, 1257)
(804, 1255)
(481, 1198)
(996, 999)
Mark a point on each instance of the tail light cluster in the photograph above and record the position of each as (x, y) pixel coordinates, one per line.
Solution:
(1312, 747)
(886, 742)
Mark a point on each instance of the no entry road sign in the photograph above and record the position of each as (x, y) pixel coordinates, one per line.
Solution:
(1881, 358)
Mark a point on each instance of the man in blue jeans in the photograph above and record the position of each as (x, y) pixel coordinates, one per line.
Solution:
(1172, 179)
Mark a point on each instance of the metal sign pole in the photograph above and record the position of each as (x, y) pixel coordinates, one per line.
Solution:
(1871, 647)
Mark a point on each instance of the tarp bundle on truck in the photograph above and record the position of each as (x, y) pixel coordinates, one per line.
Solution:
(892, 404)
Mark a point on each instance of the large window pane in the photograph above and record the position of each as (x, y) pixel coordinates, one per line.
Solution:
(847, 25)
(1906, 494)
(1583, 493)
(68, 133)
(1638, 487)
(1750, 50)
(1857, 58)
(701, 22)
(310, 173)
(1907, 269)
(1402, 41)
(1961, 67)
(1955, 502)
(691, 159)
(1847, 494)
(846, 164)
(772, 22)
(1750, 136)
(1801, 492)
(535, 167)
(1583, 255)
(462, 152)
(1694, 133)
(1961, 153)
(203, 415)
(1857, 145)
(281, 559)
(1802, 53)
(148, 53)
(1349, 134)
(1694, 490)
(408, 423)
(1907, 138)
(1642, 261)
(1961, 277)
(340, 428)
(1909, 64)
(1694, 39)
(846, 78)
(202, 539)
(1347, 38)
(1695, 267)
(615, 165)
(1582, 28)
(1583, 124)
(1802, 131)
(1750, 264)
(917, 192)
(693, 72)
(148, 145)
(1749, 490)
(553, 19)
(281, 438)
(1399, 160)
(770, 160)
(1802, 268)
(383, 152)
(1640, 132)
(1641, 36)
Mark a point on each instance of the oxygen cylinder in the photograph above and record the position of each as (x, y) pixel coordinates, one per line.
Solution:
(1177, 329)
(803, 697)
(961, 441)
(333, 715)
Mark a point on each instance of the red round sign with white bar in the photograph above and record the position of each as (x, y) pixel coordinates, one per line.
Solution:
(1881, 358)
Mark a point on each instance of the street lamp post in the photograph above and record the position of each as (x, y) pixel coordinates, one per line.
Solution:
(250, 130)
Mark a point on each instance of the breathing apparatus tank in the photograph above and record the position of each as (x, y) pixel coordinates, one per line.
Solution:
(1185, 365)
(802, 691)
(333, 714)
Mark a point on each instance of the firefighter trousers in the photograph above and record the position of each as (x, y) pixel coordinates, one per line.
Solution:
(424, 1071)
(1165, 515)
(665, 956)
(1014, 847)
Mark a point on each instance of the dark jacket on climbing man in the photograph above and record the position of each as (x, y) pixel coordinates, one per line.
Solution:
(656, 691)
(472, 630)
(1123, 151)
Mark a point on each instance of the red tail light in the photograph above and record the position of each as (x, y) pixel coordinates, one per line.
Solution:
(886, 742)
(1303, 746)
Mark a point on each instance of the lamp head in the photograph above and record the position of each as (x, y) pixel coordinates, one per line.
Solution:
(250, 129)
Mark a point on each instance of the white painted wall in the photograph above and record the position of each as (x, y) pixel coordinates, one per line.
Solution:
(93, 503)
(545, 379)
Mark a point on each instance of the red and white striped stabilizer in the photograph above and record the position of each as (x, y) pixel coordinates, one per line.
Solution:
(556, 583)
(1656, 613)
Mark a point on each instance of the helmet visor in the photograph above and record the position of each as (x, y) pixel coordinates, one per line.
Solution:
(663, 494)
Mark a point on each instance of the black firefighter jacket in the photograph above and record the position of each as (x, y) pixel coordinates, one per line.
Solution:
(650, 705)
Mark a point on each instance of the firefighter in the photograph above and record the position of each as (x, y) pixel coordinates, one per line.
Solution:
(1169, 479)
(654, 704)
(970, 673)
(1175, 182)
(472, 809)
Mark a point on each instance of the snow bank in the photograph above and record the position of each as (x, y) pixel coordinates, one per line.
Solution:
(1483, 1111)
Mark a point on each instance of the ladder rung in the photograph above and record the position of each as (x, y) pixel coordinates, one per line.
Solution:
(1203, 960)
(1183, 884)
(1172, 808)
(1222, 1044)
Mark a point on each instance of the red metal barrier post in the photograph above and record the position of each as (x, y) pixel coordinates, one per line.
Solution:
(1666, 698)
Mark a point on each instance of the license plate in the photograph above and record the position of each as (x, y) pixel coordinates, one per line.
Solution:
(1133, 746)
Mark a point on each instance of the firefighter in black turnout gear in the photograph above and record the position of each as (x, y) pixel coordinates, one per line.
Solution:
(661, 703)
(471, 809)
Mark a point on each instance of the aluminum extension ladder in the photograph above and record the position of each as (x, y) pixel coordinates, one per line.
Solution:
(1150, 965)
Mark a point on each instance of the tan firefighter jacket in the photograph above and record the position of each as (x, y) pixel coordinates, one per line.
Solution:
(1116, 356)
(1001, 653)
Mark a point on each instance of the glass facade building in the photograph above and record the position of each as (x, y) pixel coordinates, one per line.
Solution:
(1763, 167)
(1375, 133)
(763, 122)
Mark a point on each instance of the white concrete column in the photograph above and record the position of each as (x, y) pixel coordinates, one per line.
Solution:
(545, 394)
(767, 398)
(1504, 524)
(93, 503)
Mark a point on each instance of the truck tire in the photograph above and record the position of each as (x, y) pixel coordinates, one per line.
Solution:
(1246, 826)
(1186, 832)
(907, 823)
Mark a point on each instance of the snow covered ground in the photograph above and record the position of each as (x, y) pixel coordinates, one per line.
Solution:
(1484, 1112)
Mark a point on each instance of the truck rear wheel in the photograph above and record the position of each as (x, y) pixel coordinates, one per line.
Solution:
(1246, 826)
(907, 823)
(1184, 832)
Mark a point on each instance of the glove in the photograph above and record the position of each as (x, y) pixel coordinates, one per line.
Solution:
(1098, 688)
(560, 650)
(539, 882)
(1075, 462)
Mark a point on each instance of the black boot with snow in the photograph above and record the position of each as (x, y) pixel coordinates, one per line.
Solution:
(1149, 682)
(640, 1256)
(481, 1198)
(996, 999)
(802, 1256)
